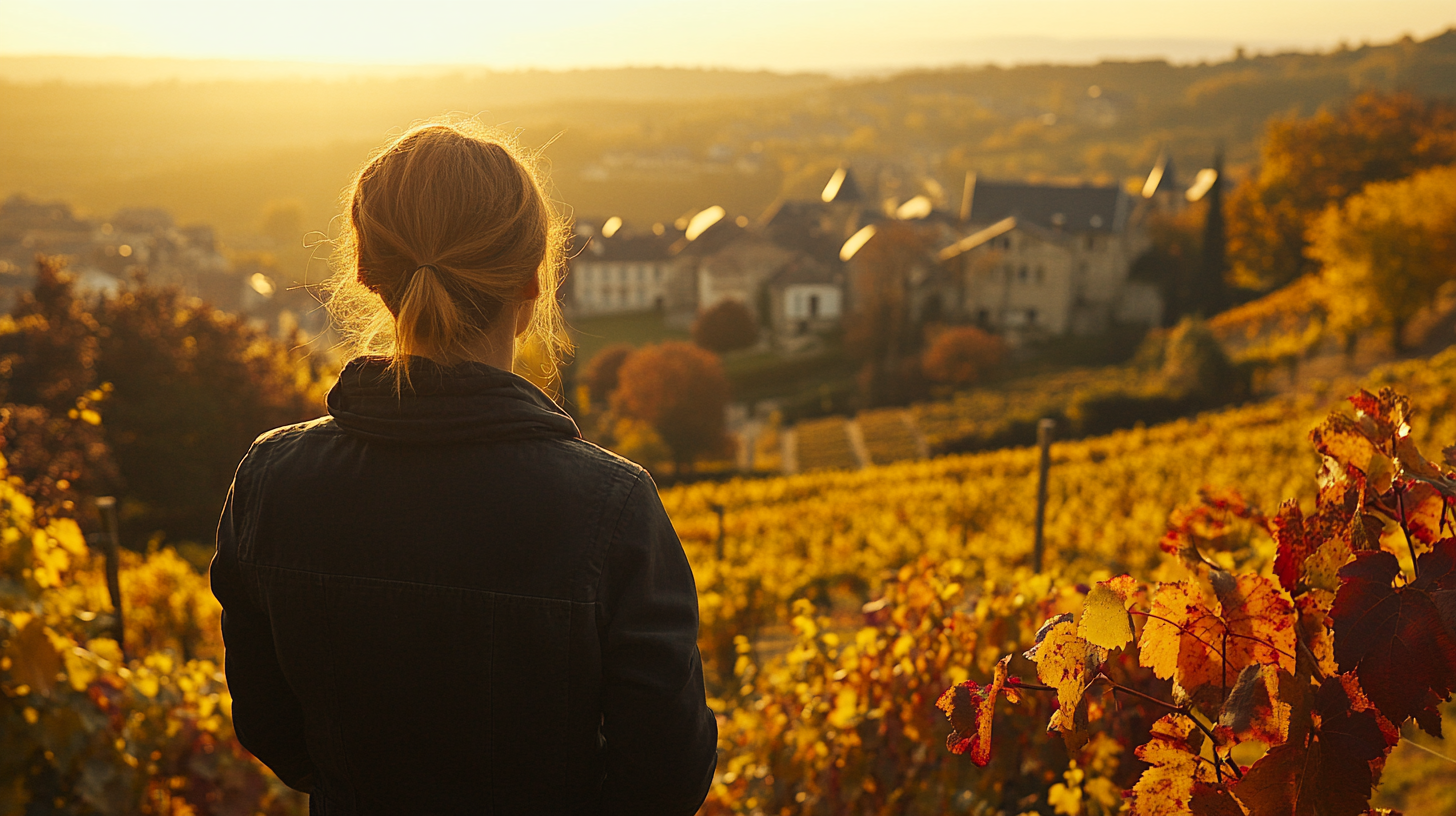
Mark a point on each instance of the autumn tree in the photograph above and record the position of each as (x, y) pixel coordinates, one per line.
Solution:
(193, 386)
(961, 356)
(1387, 250)
(170, 389)
(49, 422)
(679, 390)
(600, 377)
(881, 332)
(1308, 164)
(727, 326)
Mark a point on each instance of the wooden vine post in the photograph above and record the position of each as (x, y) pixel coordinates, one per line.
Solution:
(111, 546)
(1044, 430)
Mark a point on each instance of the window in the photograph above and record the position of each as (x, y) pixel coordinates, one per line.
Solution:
(1021, 273)
(1030, 315)
(1091, 241)
(813, 305)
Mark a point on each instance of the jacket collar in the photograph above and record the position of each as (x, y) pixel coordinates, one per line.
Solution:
(469, 402)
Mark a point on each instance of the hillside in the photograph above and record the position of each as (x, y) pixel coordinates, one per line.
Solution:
(649, 144)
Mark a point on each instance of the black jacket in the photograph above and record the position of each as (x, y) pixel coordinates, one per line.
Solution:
(446, 602)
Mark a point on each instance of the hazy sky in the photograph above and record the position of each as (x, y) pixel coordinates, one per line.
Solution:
(777, 34)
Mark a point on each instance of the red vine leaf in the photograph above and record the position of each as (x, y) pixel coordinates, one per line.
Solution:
(1330, 772)
(970, 709)
(1393, 637)
(1214, 800)
(1296, 541)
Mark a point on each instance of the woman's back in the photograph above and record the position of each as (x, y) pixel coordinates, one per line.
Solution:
(440, 599)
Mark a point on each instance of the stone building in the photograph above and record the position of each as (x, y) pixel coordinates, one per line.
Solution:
(1046, 260)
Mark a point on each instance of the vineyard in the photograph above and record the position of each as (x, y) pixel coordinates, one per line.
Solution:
(836, 609)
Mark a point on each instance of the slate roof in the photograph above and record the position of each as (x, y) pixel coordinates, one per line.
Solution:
(805, 270)
(626, 247)
(1073, 209)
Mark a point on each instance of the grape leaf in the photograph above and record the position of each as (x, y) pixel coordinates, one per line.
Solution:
(1051, 623)
(1394, 638)
(1221, 521)
(1214, 800)
(1104, 620)
(1382, 416)
(36, 661)
(1343, 440)
(1296, 541)
(1329, 772)
(1194, 645)
(1255, 707)
(1166, 787)
(1068, 664)
(970, 709)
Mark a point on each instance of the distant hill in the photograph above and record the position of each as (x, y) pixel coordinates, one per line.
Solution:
(651, 144)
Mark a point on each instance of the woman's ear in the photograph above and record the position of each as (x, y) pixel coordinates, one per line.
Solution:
(526, 305)
(525, 309)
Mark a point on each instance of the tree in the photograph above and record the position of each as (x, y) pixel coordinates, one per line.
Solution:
(1386, 251)
(600, 377)
(681, 391)
(1311, 163)
(728, 326)
(1208, 292)
(962, 355)
(193, 387)
(881, 331)
(1194, 364)
(177, 390)
(1171, 261)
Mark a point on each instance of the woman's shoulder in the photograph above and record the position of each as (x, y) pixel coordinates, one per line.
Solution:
(590, 452)
(286, 433)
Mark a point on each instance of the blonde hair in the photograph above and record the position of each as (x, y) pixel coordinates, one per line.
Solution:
(444, 228)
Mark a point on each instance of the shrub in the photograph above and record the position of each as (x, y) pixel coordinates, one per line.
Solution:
(961, 356)
(728, 326)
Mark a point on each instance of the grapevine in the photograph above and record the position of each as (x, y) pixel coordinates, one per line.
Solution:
(1350, 636)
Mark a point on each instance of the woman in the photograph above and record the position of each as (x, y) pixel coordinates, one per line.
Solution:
(439, 598)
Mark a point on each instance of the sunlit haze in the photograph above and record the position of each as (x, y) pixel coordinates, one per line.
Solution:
(819, 35)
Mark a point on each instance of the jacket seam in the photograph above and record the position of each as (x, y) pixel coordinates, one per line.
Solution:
(421, 584)
(615, 537)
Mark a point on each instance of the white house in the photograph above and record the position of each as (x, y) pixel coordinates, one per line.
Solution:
(621, 273)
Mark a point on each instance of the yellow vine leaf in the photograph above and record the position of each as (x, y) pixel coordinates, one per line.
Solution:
(1105, 621)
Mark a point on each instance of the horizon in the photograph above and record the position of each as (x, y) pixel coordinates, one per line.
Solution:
(328, 38)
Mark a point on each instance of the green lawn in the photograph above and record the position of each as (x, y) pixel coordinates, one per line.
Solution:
(592, 334)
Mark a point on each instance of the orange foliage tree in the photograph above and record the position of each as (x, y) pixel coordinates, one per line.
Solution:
(960, 356)
(1311, 163)
(1387, 250)
(600, 377)
(681, 391)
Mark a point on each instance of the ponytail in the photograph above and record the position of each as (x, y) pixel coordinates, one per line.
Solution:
(445, 227)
